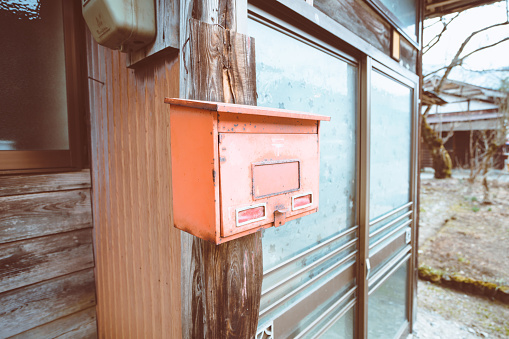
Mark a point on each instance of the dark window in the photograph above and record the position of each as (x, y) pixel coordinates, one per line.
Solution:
(41, 85)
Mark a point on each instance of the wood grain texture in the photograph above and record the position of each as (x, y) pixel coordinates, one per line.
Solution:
(35, 215)
(223, 292)
(365, 22)
(221, 285)
(28, 307)
(409, 55)
(29, 261)
(360, 19)
(37, 183)
(137, 249)
(224, 67)
(77, 325)
(167, 34)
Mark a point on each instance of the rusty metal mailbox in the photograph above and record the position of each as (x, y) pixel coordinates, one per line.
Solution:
(237, 169)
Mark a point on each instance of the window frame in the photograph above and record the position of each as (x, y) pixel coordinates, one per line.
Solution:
(22, 161)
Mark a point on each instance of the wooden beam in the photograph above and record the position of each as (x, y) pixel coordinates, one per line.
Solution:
(166, 41)
(221, 285)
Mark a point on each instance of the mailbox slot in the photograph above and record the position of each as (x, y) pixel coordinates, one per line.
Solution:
(302, 201)
(247, 215)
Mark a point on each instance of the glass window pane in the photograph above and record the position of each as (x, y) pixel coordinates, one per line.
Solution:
(341, 329)
(387, 305)
(391, 117)
(406, 12)
(33, 113)
(294, 75)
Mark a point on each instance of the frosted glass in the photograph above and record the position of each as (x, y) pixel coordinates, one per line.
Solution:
(294, 75)
(391, 116)
(342, 328)
(33, 103)
(387, 305)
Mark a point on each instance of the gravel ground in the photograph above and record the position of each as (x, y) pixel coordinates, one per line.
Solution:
(448, 314)
(444, 313)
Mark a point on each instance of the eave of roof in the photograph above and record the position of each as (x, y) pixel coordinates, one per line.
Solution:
(438, 8)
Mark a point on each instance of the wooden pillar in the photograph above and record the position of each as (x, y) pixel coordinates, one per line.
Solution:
(221, 285)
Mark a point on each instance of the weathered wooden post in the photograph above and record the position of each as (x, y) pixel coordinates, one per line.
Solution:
(221, 285)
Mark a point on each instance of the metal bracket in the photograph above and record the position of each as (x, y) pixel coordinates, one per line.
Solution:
(280, 217)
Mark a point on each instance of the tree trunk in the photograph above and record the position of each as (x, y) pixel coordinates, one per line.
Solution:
(442, 163)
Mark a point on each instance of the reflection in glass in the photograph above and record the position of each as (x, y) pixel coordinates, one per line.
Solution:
(391, 117)
(406, 12)
(387, 305)
(294, 75)
(33, 103)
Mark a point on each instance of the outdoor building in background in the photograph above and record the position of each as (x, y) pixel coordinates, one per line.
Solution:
(467, 117)
(87, 242)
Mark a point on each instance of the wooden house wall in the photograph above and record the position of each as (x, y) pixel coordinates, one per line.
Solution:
(366, 23)
(137, 249)
(47, 286)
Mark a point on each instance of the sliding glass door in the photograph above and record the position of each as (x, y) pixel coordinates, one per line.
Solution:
(363, 228)
(309, 264)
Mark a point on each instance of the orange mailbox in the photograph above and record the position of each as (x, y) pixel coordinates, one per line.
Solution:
(237, 169)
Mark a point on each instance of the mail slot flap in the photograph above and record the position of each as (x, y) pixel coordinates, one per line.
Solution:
(281, 172)
(245, 109)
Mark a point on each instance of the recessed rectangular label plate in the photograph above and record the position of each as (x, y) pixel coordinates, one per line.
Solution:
(272, 178)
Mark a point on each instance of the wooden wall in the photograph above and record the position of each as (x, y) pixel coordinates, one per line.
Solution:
(137, 249)
(365, 22)
(47, 284)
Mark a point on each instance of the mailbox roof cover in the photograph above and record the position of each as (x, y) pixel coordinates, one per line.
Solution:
(245, 109)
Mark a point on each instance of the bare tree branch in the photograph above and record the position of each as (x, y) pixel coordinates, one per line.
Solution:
(481, 48)
(456, 59)
(437, 37)
(483, 71)
(435, 71)
(433, 24)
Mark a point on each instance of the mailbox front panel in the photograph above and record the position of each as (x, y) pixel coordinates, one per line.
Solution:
(264, 173)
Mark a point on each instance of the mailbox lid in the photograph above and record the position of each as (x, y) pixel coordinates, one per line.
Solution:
(221, 107)
(262, 173)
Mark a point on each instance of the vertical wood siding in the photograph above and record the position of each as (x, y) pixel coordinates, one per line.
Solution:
(137, 249)
(47, 286)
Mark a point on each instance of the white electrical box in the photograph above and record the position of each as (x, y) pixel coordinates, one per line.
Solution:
(126, 25)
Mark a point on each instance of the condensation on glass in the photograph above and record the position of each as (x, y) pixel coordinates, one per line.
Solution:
(390, 157)
(387, 305)
(33, 103)
(304, 255)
